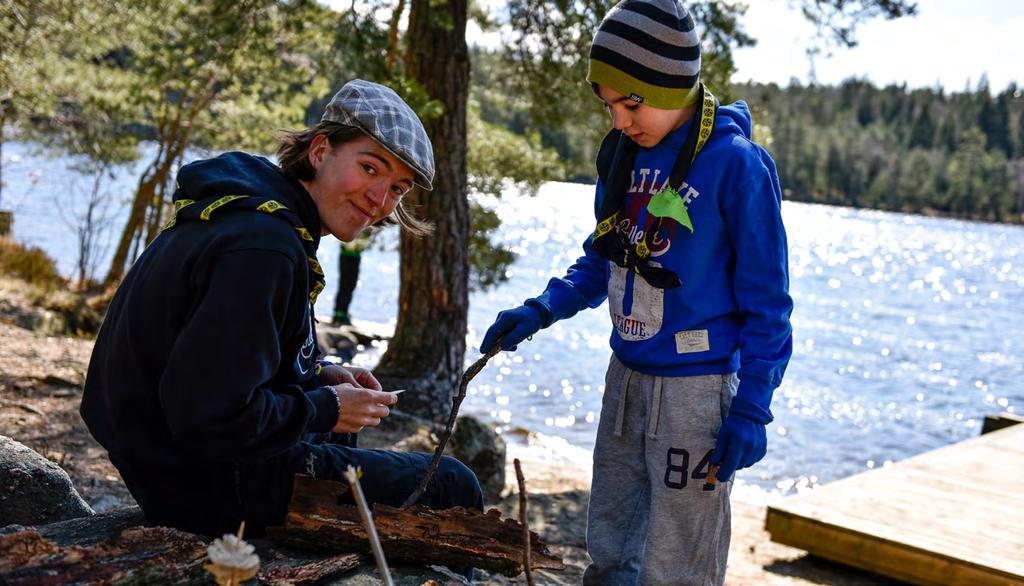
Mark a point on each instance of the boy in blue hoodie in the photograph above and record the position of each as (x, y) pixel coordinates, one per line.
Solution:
(690, 252)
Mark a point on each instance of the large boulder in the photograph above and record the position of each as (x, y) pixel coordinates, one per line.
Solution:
(34, 490)
(481, 448)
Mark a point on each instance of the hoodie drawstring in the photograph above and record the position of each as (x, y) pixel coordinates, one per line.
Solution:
(652, 422)
(620, 415)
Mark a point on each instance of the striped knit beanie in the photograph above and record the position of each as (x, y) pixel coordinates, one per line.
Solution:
(648, 50)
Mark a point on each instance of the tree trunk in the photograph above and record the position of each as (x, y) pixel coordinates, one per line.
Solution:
(151, 184)
(136, 218)
(6, 218)
(3, 120)
(427, 350)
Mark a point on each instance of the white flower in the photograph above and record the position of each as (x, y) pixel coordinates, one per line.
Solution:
(233, 560)
(232, 552)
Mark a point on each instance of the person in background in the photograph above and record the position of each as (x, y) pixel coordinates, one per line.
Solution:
(348, 277)
(690, 251)
(204, 384)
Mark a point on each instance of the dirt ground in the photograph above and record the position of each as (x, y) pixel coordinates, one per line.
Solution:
(40, 390)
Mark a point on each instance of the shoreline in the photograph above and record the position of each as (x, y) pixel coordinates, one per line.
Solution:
(40, 389)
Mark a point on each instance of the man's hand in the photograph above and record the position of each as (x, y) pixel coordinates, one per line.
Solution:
(360, 407)
(334, 374)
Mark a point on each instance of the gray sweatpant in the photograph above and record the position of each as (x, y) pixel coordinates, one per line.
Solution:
(653, 519)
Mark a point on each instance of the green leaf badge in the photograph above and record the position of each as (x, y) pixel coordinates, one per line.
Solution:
(669, 204)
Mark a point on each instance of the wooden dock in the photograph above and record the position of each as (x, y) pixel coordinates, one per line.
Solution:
(954, 515)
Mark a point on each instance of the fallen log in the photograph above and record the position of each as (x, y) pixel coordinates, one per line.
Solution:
(316, 572)
(452, 537)
(140, 555)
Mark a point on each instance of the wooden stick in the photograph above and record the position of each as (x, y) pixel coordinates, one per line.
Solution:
(471, 372)
(524, 521)
(371, 529)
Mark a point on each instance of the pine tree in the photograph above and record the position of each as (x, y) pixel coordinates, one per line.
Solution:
(922, 134)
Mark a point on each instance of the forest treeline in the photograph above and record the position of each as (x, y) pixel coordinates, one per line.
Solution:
(958, 154)
(928, 151)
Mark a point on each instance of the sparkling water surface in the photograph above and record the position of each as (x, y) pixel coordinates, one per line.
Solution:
(906, 328)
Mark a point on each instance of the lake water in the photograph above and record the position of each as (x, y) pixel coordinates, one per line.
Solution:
(905, 327)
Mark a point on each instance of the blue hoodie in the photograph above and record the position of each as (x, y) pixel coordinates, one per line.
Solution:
(731, 313)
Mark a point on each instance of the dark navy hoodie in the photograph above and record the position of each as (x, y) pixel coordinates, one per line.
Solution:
(201, 382)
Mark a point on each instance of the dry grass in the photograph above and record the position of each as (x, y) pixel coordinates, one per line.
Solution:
(30, 264)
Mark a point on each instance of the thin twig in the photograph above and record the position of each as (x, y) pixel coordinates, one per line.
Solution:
(25, 406)
(371, 529)
(524, 521)
(471, 372)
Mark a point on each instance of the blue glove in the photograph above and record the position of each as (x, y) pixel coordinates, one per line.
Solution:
(742, 440)
(513, 326)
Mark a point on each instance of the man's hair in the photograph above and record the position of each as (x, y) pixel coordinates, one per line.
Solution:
(293, 158)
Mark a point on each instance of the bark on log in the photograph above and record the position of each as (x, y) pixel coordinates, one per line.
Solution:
(140, 555)
(316, 572)
(454, 537)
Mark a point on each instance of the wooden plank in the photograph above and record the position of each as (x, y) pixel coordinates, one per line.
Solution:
(1001, 421)
(950, 516)
(880, 556)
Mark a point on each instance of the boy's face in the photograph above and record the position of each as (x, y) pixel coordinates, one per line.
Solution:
(644, 124)
(357, 184)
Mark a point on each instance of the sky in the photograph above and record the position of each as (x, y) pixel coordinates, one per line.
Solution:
(948, 42)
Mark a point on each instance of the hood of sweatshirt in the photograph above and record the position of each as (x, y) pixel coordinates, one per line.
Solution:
(734, 118)
(238, 173)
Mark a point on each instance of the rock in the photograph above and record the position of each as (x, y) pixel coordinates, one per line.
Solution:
(557, 517)
(107, 502)
(481, 448)
(60, 313)
(34, 490)
(475, 444)
(421, 440)
(335, 341)
(345, 340)
(43, 321)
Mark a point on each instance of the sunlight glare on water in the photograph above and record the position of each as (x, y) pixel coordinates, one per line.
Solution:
(906, 329)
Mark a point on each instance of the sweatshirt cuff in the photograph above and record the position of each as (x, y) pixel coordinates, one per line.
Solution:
(325, 403)
(546, 316)
(753, 400)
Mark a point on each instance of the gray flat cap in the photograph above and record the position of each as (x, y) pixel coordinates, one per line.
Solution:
(384, 116)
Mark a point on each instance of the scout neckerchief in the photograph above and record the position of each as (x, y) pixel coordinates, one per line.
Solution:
(615, 246)
(190, 209)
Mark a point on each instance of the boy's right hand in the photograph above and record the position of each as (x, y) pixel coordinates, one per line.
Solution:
(360, 407)
(512, 326)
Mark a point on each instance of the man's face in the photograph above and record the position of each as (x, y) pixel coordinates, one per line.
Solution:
(644, 124)
(357, 184)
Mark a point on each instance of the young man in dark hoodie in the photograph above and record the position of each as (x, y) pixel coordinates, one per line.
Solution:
(690, 252)
(204, 384)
